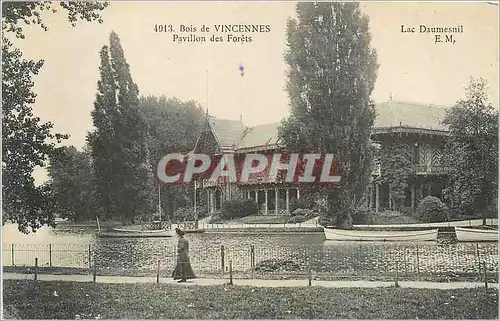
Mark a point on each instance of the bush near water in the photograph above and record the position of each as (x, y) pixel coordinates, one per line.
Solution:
(182, 214)
(238, 208)
(431, 209)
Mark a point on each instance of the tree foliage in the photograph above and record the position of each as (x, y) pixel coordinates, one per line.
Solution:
(26, 144)
(26, 141)
(19, 14)
(332, 71)
(396, 162)
(431, 209)
(123, 175)
(71, 180)
(472, 151)
(173, 126)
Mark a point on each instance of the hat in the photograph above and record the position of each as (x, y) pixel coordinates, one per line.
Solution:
(179, 231)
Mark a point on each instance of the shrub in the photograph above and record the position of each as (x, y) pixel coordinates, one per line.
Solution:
(309, 214)
(239, 208)
(202, 212)
(304, 203)
(184, 214)
(216, 218)
(297, 219)
(406, 210)
(327, 221)
(389, 213)
(431, 209)
(362, 217)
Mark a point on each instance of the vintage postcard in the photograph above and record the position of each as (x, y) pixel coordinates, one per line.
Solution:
(250, 160)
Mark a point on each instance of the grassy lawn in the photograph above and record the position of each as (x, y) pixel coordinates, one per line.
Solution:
(32, 300)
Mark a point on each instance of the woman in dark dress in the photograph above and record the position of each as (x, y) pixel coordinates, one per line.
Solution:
(183, 270)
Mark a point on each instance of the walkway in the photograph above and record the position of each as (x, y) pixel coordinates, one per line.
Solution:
(252, 282)
(313, 223)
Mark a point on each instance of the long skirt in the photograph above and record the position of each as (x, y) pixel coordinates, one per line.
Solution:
(183, 269)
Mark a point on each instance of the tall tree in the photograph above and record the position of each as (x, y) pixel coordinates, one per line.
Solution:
(26, 141)
(124, 177)
(332, 71)
(174, 127)
(71, 182)
(19, 14)
(396, 162)
(472, 151)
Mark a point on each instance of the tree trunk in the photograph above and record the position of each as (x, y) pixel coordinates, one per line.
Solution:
(342, 218)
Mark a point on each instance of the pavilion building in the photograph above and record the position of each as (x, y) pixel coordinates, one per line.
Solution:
(418, 125)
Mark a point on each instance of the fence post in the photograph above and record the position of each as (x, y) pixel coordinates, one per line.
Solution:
(223, 265)
(50, 255)
(36, 268)
(158, 272)
(252, 260)
(94, 272)
(396, 284)
(309, 268)
(478, 260)
(90, 257)
(309, 273)
(12, 255)
(485, 277)
(404, 259)
(230, 272)
(418, 265)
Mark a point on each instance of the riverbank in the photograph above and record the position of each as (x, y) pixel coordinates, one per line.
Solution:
(71, 300)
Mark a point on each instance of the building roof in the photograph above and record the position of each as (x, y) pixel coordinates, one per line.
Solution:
(228, 132)
(261, 135)
(406, 114)
(235, 135)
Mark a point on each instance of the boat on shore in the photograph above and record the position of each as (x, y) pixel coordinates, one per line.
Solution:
(333, 234)
(476, 235)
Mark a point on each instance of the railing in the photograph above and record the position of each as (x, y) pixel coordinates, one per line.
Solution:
(324, 262)
(157, 225)
(417, 169)
(282, 212)
(188, 225)
(428, 169)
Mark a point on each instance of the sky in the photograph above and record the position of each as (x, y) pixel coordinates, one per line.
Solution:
(412, 66)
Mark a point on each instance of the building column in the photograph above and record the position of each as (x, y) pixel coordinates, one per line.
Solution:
(288, 201)
(371, 197)
(298, 194)
(212, 201)
(265, 209)
(377, 197)
(257, 196)
(208, 202)
(276, 201)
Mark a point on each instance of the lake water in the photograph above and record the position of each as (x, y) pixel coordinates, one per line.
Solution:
(211, 253)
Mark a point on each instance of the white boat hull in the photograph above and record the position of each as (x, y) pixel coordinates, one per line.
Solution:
(476, 235)
(385, 236)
